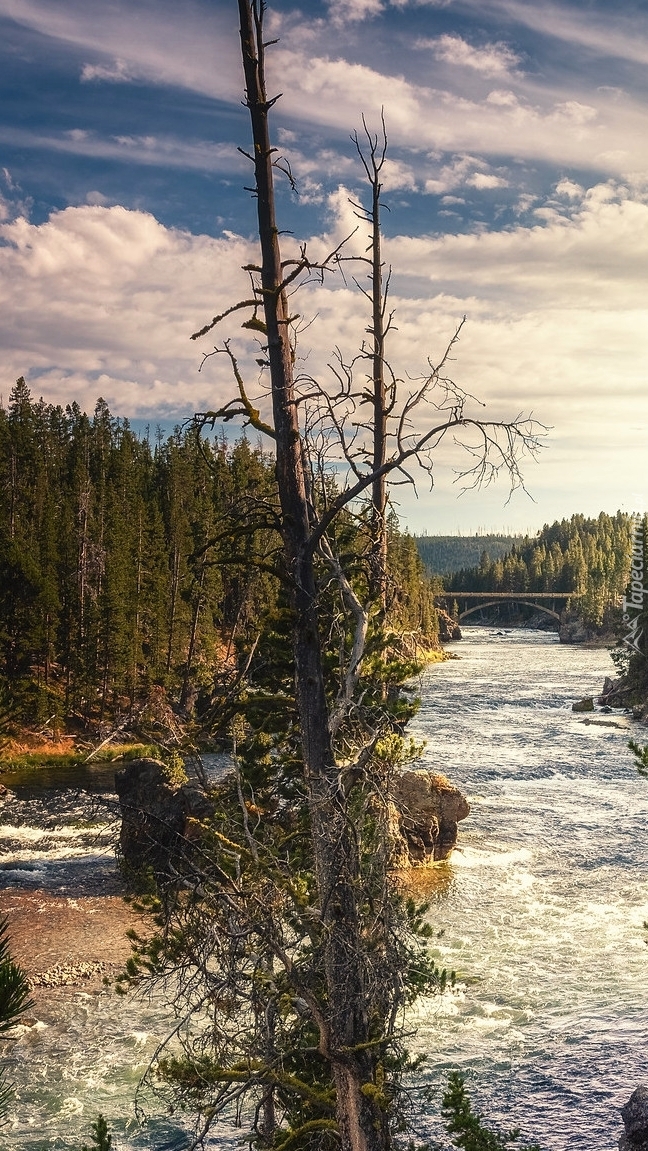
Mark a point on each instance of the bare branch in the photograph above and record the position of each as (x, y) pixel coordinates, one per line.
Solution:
(217, 319)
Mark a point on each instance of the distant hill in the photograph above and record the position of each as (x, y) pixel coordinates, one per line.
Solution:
(444, 555)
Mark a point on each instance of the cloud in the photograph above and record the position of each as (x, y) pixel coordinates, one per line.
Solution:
(544, 125)
(620, 34)
(148, 40)
(116, 73)
(103, 300)
(462, 171)
(154, 150)
(485, 181)
(571, 125)
(13, 201)
(570, 189)
(353, 11)
(97, 199)
(491, 59)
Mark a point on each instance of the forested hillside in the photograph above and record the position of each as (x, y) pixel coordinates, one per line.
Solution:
(444, 555)
(589, 557)
(125, 565)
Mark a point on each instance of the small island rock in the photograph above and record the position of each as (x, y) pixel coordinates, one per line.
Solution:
(449, 630)
(424, 811)
(635, 1121)
(156, 815)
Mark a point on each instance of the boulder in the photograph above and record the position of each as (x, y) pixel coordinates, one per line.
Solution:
(635, 1121)
(449, 630)
(157, 816)
(586, 704)
(424, 811)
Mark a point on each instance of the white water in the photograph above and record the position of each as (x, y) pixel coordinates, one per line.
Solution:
(543, 910)
(540, 913)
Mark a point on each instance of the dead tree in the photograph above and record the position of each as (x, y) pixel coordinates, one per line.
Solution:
(353, 1021)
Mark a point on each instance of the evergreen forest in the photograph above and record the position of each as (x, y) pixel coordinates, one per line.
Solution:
(444, 555)
(587, 557)
(128, 567)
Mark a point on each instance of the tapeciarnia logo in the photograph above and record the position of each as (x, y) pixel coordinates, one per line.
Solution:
(633, 602)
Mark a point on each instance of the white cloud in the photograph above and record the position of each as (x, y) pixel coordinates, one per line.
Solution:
(106, 293)
(536, 123)
(576, 124)
(463, 171)
(452, 175)
(611, 34)
(398, 175)
(486, 180)
(97, 199)
(570, 189)
(116, 73)
(195, 46)
(162, 151)
(352, 11)
(490, 59)
(103, 300)
(502, 99)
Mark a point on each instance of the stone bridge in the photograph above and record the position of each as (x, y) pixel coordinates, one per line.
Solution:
(549, 602)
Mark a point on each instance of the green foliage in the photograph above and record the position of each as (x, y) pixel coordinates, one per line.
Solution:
(444, 555)
(466, 1126)
(128, 569)
(238, 924)
(14, 1000)
(19, 761)
(641, 755)
(14, 986)
(174, 769)
(620, 657)
(101, 1139)
(589, 557)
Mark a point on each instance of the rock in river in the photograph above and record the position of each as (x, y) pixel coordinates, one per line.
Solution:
(156, 815)
(424, 812)
(635, 1121)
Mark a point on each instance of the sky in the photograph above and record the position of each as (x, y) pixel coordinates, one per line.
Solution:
(516, 194)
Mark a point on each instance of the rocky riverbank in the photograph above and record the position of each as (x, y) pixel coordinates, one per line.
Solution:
(574, 629)
(617, 693)
(64, 942)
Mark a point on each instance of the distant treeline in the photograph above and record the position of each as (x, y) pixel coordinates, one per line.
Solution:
(443, 555)
(589, 557)
(126, 565)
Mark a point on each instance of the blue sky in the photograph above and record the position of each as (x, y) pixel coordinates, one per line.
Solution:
(517, 184)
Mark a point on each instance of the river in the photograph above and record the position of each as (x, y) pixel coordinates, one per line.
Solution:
(540, 912)
(543, 906)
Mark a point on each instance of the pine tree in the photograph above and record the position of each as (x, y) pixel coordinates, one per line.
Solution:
(101, 1139)
(467, 1127)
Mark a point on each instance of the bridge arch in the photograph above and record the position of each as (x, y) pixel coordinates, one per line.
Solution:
(500, 602)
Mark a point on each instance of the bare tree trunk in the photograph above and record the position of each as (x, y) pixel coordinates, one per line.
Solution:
(193, 636)
(345, 1039)
(379, 487)
(372, 154)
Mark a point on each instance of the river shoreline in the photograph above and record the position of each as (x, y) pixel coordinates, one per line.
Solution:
(67, 942)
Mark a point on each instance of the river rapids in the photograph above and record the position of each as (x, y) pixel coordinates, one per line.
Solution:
(540, 913)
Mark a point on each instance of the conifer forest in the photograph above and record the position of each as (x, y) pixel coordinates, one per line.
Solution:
(127, 565)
